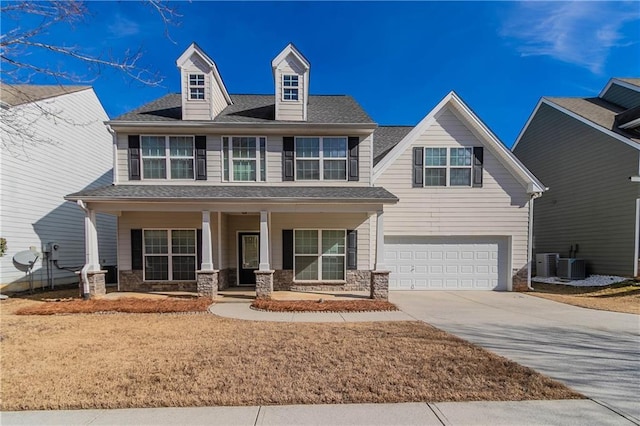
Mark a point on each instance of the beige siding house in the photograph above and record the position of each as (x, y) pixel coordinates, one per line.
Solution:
(463, 215)
(291, 191)
(587, 150)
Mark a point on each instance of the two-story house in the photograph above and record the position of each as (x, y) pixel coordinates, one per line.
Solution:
(289, 191)
(587, 150)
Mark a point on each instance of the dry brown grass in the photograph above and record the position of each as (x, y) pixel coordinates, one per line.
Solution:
(125, 305)
(153, 360)
(622, 297)
(323, 306)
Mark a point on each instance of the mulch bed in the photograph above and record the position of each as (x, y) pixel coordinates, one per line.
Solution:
(125, 305)
(323, 305)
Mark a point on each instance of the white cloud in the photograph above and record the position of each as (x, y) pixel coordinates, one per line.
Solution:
(581, 33)
(123, 27)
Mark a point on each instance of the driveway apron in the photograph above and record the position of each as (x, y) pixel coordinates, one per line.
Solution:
(594, 352)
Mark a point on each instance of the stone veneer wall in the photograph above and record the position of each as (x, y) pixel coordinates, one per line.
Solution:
(132, 281)
(519, 279)
(357, 280)
(223, 279)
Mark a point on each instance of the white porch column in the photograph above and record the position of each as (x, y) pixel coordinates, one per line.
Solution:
(91, 241)
(380, 241)
(264, 241)
(207, 252)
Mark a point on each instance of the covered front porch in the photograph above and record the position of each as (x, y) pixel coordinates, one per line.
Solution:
(299, 243)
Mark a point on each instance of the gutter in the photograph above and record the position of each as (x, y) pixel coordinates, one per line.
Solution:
(530, 239)
(85, 268)
(365, 127)
(238, 200)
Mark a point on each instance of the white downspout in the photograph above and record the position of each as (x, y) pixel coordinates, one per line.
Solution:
(85, 268)
(530, 239)
(115, 155)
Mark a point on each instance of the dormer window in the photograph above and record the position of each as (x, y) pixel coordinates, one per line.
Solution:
(196, 86)
(290, 87)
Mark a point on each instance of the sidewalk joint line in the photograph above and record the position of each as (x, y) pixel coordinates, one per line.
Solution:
(619, 412)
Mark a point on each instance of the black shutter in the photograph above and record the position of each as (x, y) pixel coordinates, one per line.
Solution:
(136, 249)
(354, 163)
(288, 147)
(287, 249)
(478, 159)
(201, 158)
(134, 157)
(418, 167)
(352, 249)
(199, 249)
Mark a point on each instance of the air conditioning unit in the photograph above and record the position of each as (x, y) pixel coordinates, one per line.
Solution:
(546, 264)
(572, 269)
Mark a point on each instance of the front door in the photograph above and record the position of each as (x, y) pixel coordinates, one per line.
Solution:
(248, 257)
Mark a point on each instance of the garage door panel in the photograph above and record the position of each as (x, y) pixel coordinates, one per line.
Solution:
(463, 263)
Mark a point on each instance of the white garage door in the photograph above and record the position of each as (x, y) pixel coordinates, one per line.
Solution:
(448, 263)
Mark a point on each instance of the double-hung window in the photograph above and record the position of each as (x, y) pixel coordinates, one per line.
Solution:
(448, 166)
(196, 86)
(290, 87)
(321, 158)
(169, 254)
(244, 158)
(167, 157)
(319, 254)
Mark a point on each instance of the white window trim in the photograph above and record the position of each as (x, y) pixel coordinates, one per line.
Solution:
(447, 168)
(167, 157)
(196, 86)
(320, 255)
(258, 160)
(321, 159)
(296, 87)
(169, 253)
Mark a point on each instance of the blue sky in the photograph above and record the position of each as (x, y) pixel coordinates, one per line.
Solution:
(397, 59)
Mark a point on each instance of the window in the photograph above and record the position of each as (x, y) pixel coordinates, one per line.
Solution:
(321, 158)
(244, 158)
(196, 86)
(319, 255)
(167, 157)
(169, 254)
(451, 170)
(290, 87)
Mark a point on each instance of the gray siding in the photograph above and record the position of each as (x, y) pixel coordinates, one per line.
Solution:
(591, 201)
(622, 96)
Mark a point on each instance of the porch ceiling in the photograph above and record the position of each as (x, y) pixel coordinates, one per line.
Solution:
(235, 194)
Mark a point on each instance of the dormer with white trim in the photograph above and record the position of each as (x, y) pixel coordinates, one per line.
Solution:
(204, 95)
(291, 78)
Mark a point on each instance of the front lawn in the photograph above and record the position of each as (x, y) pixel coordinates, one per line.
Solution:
(622, 297)
(152, 360)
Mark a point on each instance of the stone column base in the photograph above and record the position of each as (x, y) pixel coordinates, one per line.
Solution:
(519, 280)
(207, 283)
(380, 285)
(264, 284)
(97, 283)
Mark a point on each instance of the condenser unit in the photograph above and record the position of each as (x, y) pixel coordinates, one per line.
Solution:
(546, 264)
(572, 269)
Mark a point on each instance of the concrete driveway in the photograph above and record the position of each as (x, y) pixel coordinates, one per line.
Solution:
(594, 352)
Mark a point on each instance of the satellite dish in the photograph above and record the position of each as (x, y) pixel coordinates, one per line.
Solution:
(25, 260)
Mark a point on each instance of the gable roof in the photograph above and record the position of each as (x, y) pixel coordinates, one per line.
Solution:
(632, 81)
(628, 82)
(485, 135)
(385, 138)
(290, 49)
(18, 94)
(323, 109)
(195, 49)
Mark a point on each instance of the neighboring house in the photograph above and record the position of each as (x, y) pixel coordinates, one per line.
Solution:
(280, 191)
(53, 142)
(587, 150)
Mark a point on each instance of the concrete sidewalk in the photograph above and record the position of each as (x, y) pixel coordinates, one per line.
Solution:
(568, 412)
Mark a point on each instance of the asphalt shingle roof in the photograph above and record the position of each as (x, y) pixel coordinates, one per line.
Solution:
(236, 193)
(18, 94)
(385, 138)
(323, 109)
(596, 110)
